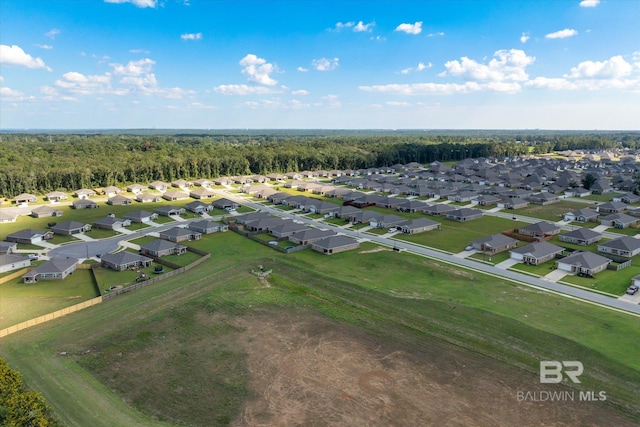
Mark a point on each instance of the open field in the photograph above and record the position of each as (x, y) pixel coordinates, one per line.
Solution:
(341, 339)
(552, 212)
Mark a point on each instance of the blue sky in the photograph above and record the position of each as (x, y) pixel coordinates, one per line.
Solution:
(74, 64)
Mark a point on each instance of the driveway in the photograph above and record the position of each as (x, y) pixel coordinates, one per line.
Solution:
(507, 264)
(555, 275)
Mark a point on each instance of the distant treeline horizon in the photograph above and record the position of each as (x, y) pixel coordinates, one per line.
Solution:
(43, 162)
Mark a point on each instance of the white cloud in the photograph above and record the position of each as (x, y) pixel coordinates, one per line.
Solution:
(438, 34)
(191, 36)
(80, 84)
(14, 55)
(302, 69)
(258, 70)
(524, 38)
(243, 90)
(398, 103)
(421, 66)
(340, 25)
(442, 88)
(44, 46)
(300, 92)
(139, 51)
(52, 33)
(297, 105)
(507, 65)
(362, 27)
(562, 34)
(377, 38)
(138, 3)
(325, 64)
(11, 95)
(589, 3)
(134, 68)
(410, 28)
(612, 68)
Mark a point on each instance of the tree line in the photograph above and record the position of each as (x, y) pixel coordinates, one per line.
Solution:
(40, 163)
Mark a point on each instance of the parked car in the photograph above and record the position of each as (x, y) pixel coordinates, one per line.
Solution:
(633, 289)
(32, 257)
(393, 230)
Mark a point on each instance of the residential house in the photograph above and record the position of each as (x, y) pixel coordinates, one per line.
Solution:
(494, 244)
(169, 211)
(439, 209)
(583, 263)
(111, 223)
(148, 197)
(84, 204)
(175, 195)
(203, 182)
(411, 206)
(207, 226)
(309, 235)
(581, 215)
(224, 204)
(111, 191)
(8, 217)
(612, 207)
(543, 199)
(24, 199)
(44, 211)
(53, 269)
(252, 216)
(619, 220)
(581, 236)
(464, 214)
(68, 228)
(335, 244)
(159, 186)
(486, 200)
(386, 221)
(265, 224)
(119, 200)
(540, 230)
(182, 184)
(364, 216)
(10, 262)
(625, 246)
(536, 253)
(140, 216)
(84, 193)
(179, 234)
(198, 207)
(125, 260)
(8, 248)
(202, 193)
(345, 211)
(136, 188)
(159, 248)
(56, 196)
(286, 229)
(29, 237)
(601, 186)
(419, 225)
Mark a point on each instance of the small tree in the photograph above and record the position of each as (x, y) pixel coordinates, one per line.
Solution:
(588, 181)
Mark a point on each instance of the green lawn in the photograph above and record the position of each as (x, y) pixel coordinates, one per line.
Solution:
(99, 233)
(552, 212)
(336, 221)
(162, 219)
(182, 259)
(107, 277)
(612, 282)
(58, 239)
(455, 236)
(20, 302)
(536, 270)
(491, 259)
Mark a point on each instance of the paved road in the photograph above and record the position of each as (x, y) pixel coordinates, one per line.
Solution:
(567, 291)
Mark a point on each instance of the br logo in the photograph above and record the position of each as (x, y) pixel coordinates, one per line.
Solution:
(551, 371)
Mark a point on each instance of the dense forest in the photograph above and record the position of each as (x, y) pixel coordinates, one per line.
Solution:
(40, 163)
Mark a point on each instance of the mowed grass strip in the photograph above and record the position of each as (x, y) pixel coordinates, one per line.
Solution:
(455, 236)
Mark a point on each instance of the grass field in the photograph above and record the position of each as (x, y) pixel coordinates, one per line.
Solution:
(139, 359)
(552, 212)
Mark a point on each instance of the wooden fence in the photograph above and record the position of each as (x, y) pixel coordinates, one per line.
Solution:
(50, 316)
(13, 275)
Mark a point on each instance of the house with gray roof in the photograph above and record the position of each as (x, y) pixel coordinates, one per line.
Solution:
(136, 188)
(84, 204)
(612, 207)
(464, 214)
(125, 260)
(119, 200)
(419, 225)
(148, 197)
(618, 220)
(438, 209)
(173, 195)
(581, 236)
(625, 246)
(29, 236)
(581, 215)
(159, 185)
(111, 223)
(535, 253)
(202, 193)
(207, 226)
(345, 211)
(68, 228)
(140, 216)
(264, 224)
(286, 229)
(54, 269)
(10, 262)
(8, 248)
(251, 216)
(310, 235)
(179, 234)
(56, 196)
(540, 230)
(84, 193)
(198, 207)
(583, 263)
(169, 210)
(44, 211)
(160, 247)
(25, 198)
(335, 244)
(543, 199)
(494, 244)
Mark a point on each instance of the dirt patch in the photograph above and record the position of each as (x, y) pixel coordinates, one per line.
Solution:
(374, 250)
(306, 370)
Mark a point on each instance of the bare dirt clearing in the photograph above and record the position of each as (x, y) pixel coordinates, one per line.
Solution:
(307, 370)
